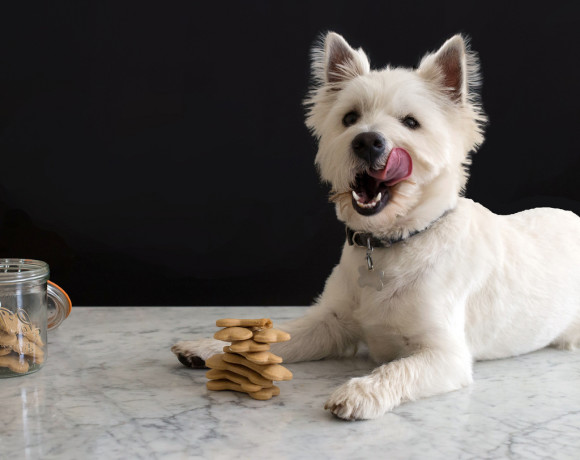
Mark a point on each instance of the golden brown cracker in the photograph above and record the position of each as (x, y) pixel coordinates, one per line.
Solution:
(244, 382)
(9, 322)
(230, 334)
(271, 336)
(5, 351)
(262, 395)
(14, 363)
(270, 371)
(7, 339)
(217, 362)
(25, 347)
(258, 357)
(243, 346)
(262, 323)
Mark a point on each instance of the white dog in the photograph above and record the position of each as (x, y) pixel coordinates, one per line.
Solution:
(429, 280)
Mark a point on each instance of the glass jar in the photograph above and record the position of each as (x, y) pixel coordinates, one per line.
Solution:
(29, 306)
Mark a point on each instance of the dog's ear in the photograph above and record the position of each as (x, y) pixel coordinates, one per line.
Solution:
(453, 68)
(335, 62)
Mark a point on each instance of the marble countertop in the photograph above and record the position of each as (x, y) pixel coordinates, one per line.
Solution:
(111, 388)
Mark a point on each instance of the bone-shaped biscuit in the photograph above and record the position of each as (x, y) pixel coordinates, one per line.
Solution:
(24, 347)
(32, 334)
(243, 346)
(269, 371)
(258, 357)
(217, 362)
(263, 394)
(7, 339)
(244, 382)
(5, 351)
(14, 363)
(271, 336)
(230, 334)
(263, 323)
(10, 323)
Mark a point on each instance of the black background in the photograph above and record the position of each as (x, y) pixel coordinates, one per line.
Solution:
(155, 153)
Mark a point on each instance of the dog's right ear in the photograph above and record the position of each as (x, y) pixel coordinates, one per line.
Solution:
(335, 62)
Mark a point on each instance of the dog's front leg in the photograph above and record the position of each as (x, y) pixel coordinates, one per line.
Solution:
(425, 373)
(327, 330)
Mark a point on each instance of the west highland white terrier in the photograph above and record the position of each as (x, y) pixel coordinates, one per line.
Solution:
(429, 280)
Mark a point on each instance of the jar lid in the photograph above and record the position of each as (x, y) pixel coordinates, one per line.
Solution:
(19, 270)
(59, 305)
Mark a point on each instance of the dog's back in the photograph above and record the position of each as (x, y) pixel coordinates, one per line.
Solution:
(530, 296)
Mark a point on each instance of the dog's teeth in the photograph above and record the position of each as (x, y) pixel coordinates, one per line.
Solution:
(370, 204)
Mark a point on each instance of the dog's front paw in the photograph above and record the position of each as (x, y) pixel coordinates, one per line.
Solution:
(359, 399)
(193, 353)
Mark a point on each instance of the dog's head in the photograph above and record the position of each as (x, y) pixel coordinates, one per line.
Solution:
(394, 144)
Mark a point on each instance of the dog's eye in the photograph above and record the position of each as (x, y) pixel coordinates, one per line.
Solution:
(410, 122)
(350, 118)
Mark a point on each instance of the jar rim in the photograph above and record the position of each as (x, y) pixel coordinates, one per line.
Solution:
(19, 270)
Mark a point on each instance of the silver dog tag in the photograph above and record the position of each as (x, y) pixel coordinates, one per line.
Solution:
(371, 278)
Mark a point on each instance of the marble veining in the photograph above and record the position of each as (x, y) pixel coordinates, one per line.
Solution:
(112, 389)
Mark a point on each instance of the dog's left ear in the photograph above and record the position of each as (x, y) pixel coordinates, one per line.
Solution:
(451, 68)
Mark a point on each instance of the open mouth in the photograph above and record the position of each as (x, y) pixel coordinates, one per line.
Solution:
(369, 196)
(371, 190)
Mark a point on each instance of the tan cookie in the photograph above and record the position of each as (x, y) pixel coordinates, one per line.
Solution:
(14, 363)
(10, 323)
(259, 357)
(263, 394)
(271, 336)
(7, 339)
(217, 362)
(230, 334)
(244, 382)
(24, 347)
(5, 351)
(270, 371)
(31, 333)
(243, 346)
(263, 323)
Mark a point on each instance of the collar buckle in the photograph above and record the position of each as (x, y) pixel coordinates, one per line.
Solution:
(356, 243)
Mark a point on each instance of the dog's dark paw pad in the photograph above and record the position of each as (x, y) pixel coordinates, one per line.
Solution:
(195, 362)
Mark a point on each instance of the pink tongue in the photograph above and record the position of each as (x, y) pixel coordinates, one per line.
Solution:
(399, 167)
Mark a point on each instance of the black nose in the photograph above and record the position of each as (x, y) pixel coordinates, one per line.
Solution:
(369, 146)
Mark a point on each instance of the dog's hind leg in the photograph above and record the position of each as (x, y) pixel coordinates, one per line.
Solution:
(193, 353)
(570, 339)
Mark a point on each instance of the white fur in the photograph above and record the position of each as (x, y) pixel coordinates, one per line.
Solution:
(472, 286)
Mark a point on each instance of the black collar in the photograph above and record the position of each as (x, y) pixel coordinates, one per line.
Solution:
(368, 240)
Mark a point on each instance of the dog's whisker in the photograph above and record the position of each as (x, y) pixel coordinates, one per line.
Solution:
(334, 197)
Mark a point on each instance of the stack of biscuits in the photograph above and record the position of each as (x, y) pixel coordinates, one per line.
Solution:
(247, 365)
(20, 343)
